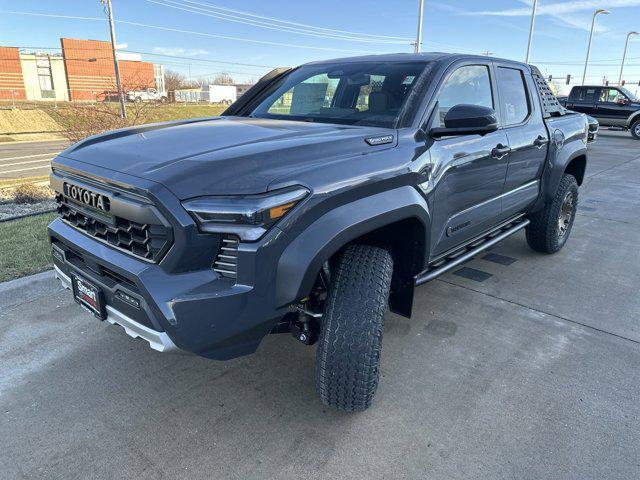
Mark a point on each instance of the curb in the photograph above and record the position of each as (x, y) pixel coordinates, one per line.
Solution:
(31, 280)
(26, 215)
(17, 142)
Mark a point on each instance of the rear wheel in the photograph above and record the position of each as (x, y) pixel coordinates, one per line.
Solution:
(350, 340)
(635, 129)
(550, 227)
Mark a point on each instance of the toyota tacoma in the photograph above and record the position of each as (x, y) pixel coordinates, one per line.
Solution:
(317, 201)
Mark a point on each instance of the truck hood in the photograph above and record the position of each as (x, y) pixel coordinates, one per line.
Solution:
(224, 155)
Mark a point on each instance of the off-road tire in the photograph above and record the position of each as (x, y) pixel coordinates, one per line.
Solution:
(350, 341)
(544, 233)
(635, 130)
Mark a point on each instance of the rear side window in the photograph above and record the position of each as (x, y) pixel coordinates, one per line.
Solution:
(470, 85)
(513, 96)
(586, 94)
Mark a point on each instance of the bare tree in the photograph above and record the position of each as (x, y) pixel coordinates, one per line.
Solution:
(174, 80)
(81, 120)
(223, 79)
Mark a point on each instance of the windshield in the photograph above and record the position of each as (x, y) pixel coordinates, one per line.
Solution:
(628, 94)
(366, 93)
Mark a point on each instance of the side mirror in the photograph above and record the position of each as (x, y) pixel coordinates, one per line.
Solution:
(623, 101)
(466, 119)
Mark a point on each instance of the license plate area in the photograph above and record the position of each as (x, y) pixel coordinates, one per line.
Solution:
(88, 296)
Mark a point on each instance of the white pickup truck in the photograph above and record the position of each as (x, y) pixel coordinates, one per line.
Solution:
(147, 95)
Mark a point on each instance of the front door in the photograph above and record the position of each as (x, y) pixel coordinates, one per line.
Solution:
(469, 170)
(613, 107)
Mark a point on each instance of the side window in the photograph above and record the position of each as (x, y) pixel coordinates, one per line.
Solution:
(611, 95)
(470, 84)
(587, 94)
(513, 95)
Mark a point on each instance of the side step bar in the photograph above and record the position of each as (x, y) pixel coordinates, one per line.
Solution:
(472, 252)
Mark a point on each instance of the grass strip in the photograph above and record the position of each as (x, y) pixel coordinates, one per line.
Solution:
(24, 246)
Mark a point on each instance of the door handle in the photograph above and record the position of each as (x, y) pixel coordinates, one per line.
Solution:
(500, 151)
(540, 141)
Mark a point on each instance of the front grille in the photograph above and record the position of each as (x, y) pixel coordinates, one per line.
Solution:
(226, 262)
(142, 240)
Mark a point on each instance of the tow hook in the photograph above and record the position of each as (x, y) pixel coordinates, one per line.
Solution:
(303, 329)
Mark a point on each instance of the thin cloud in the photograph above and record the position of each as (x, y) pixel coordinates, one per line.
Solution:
(180, 52)
(574, 14)
(559, 8)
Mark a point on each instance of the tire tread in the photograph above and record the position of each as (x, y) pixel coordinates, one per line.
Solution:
(350, 340)
(541, 233)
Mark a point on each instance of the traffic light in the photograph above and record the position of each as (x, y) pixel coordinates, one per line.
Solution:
(550, 78)
(622, 84)
(568, 79)
(606, 83)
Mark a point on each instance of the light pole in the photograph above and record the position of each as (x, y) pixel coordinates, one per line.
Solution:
(418, 44)
(624, 55)
(116, 67)
(593, 24)
(533, 20)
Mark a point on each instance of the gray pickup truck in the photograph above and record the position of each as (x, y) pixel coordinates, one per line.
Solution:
(319, 199)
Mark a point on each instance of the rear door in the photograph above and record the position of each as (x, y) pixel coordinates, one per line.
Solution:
(469, 170)
(522, 121)
(583, 100)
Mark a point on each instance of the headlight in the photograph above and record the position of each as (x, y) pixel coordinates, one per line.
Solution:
(248, 216)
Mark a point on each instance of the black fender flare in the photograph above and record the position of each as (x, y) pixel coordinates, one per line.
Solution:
(302, 259)
(561, 155)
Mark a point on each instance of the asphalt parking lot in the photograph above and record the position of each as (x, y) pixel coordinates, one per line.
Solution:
(521, 366)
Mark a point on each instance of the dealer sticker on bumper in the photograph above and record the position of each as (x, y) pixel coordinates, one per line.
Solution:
(88, 295)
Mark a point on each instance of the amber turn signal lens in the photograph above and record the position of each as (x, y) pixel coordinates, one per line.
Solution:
(280, 210)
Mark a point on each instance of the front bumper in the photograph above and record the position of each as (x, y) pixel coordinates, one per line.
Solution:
(199, 312)
(159, 341)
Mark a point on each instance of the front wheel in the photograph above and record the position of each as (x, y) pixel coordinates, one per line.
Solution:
(350, 340)
(550, 227)
(635, 130)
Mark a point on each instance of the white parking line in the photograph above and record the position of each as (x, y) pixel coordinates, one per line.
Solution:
(51, 154)
(25, 163)
(24, 169)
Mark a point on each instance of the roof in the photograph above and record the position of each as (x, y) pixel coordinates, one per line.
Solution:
(411, 57)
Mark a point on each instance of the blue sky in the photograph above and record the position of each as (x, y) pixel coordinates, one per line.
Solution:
(497, 26)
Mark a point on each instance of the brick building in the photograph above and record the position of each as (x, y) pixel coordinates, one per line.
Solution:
(90, 73)
(11, 79)
(84, 71)
(44, 76)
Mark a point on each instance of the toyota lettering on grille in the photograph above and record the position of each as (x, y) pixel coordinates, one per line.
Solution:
(82, 195)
